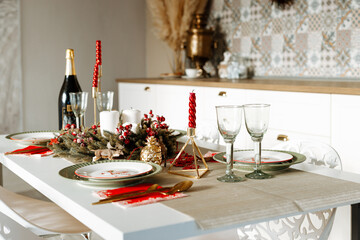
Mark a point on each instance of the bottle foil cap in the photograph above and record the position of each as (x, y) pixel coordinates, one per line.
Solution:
(69, 53)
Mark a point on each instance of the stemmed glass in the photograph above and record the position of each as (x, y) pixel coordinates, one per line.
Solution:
(229, 122)
(257, 121)
(78, 102)
(104, 100)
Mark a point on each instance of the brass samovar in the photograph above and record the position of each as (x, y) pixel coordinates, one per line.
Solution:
(199, 42)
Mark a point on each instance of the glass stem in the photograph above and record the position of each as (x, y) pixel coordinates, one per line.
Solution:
(229, 158)
(77, 122)
(82, 121)
(257, 149)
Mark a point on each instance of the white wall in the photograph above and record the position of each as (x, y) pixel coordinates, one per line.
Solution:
(48, 27)
(158, 54)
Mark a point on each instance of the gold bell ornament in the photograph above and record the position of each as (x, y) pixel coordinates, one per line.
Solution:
(152, 151)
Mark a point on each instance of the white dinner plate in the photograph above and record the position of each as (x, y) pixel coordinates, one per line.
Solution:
(113, 170)
(40, 138)
(266, 157)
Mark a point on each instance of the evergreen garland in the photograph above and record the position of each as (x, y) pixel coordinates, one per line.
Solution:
(80, 146)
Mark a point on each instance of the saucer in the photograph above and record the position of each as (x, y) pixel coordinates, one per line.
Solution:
(187, 77)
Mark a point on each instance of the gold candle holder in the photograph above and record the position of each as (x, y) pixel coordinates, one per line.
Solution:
(95, 90)
(197, 172)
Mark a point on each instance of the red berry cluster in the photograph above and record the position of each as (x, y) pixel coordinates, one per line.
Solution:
(95, 128)
(154, 124)
(150, 132)
(81, 139)
(124, 133)
(159, 123)
(148, 117)
(68, 127)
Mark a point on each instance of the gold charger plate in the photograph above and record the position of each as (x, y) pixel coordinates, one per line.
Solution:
(297, 158)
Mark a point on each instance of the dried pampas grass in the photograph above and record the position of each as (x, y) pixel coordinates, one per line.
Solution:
(171, 20)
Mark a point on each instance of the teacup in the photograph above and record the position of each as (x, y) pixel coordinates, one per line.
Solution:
(192, 72)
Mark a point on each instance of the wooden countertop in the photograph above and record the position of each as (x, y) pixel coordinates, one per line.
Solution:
(310, 86)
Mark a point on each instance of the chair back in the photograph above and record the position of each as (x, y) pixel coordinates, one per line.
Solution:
(9, 229)
(317, 153)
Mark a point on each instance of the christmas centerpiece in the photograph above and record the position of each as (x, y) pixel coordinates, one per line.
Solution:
(82, 145)
(114, 138)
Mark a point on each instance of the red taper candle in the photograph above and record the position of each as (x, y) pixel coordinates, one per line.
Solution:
(96, 75)
(98, 52)
(192, 110)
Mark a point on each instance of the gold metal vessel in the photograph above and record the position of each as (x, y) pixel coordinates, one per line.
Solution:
(199, 42)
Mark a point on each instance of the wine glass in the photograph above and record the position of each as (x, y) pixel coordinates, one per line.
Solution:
(78, 102)
(104, 100)
(257, 121)
(229, 122)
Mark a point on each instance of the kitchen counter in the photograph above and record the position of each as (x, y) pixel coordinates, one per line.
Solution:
(294, 85)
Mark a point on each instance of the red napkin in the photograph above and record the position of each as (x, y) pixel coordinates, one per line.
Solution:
(150, 198)
(32, 151)
(209, 156)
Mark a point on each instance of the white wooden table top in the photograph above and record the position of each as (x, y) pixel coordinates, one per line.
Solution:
(154, 221)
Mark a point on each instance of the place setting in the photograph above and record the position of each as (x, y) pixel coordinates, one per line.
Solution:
(229, 119)
(110, 172)
(34, 138)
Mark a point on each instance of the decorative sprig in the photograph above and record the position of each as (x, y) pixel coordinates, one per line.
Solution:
(78, 145)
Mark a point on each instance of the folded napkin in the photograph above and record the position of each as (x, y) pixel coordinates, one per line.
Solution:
(209, 156)
(150, 198)
(32, 151)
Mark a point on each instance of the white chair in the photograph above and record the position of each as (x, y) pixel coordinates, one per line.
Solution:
(45, 219)
(10, 230)
(315, 225)
(208, 132)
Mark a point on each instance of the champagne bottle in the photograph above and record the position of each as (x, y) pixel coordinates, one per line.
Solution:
(71, 84)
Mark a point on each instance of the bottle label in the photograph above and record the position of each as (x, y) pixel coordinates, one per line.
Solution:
(68, 108)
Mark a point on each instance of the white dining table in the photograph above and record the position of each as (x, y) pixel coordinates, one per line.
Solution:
(153, 221)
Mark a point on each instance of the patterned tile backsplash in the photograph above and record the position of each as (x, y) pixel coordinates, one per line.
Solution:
(314, 38)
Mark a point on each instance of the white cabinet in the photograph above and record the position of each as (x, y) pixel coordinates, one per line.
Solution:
(346, 130)
(213, 97)
(137, 96)
(173, 103)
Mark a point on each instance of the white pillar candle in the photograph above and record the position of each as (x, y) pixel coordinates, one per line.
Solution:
(131, 115)
(109, 121)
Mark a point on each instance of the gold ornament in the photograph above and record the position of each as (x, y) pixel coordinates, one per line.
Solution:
(152, 151)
